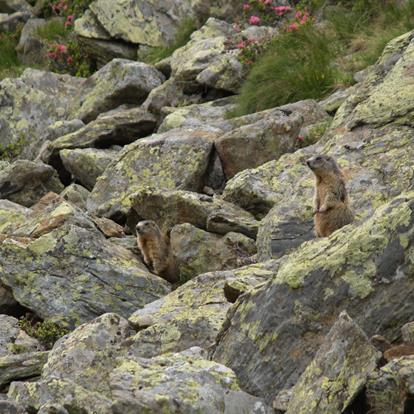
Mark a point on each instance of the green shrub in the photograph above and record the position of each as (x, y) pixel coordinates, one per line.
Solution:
(46, 332)
(9, 63)
(53, 30)
(184, 31)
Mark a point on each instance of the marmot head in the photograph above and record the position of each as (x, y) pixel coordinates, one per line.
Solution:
(147, 227)
(322, 164)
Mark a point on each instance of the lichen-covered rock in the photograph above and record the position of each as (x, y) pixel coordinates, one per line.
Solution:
(408, 332)
(25, 182)
(119, 127)
(86, 165)
(171, 207)
(177, 159)
(252, 145)
(365, 270)
(29, 104)
(198, 115)
(92, 369)
(76, 194)
(197, 251)
(60, 266)
(337, 373)
(390, 389)
(10, 22)
(119, 82)
(9, 407)
(10, 6)
(192, 314)
(11, 215)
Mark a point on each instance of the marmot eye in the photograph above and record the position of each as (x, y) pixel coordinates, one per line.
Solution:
(318, 158)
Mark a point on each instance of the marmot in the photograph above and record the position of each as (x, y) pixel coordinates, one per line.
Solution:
(331, 202)
(155, 249)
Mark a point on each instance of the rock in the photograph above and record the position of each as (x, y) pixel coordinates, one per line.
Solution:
(86, 165)
(108, 227)
(31, 49)
(7, 301)
(119, 127)
(25, 182)
(338, 372)
(64, 269)
(29, 105)
(52, 408)
(192, 314)
(198, 115)
(171, 207)
(389, 389)
(197, 251)
(10, 6)
(10, 22)
(408, 332)
(252, 145)
(61, 128)
(119, 82)
(332, 103)
(296, 308)
(11, 215)
(76, 194)
(177, 159)
(22, 366)
(9, 407)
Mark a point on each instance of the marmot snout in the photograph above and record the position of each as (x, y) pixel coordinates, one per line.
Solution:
(331, 203)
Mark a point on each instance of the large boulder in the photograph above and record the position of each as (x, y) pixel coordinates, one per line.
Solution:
(59, 265)
(177, 159)
(92, 369)
(25, 182)
(10, 6)
(119, 82)
(86, 165)
(274, 331)
(11, 22)
(338, 372)
(193, 314)
(171, 207)
(197, 251)
(29, 104)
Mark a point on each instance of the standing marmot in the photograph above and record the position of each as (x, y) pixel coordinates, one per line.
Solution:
(332, 209)
(155, 248)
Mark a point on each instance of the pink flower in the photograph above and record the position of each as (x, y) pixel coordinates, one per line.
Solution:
(52, 55)
(241, 45)
(246, 7)
(61, 48)
(69, 60)
(292, 26)
(300, 138)
(254, 20)
(298, 15)
(70, 18)
(266, 2)
(281, 10)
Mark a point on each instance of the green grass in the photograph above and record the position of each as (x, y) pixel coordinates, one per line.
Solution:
(9, 63)
(315, 60)
(184, 31)
(53, 30)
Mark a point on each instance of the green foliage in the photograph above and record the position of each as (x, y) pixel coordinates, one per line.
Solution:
(46, 332)
(314, 60)
(9, 63)
(11, 151)
(53, 30)
(184, 31)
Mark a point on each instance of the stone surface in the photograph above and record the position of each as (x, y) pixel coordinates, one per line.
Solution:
(177, 159)
(61, 267)
(11, 215)
(119, 127)
(192, 314)
(364, 270)
(25, 182)
(10, 6)
(197, 251)
(171, 207)
(10, 22)
(119, 82)
(252, 145)
(390, 389)
(338, 372)
(30, 104)
(86, 165)
(408, 332)
(76, 194)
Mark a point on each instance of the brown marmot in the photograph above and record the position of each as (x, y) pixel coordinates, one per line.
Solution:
(155, 249)
(332, 209)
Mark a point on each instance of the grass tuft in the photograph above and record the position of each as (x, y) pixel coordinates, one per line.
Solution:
(53, 30)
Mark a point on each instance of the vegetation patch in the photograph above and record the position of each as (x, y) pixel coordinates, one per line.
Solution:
(9, 63)
(319, 49)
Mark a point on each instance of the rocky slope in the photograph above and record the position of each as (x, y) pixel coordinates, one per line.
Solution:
(266, 318)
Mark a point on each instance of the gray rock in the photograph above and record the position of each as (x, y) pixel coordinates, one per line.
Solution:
(408, 332)
(9, 407)
(31, 48)
(87, 164)
(25, 182)
(10, 22)
(197, 251)
(338, 372)
(171, 207)
(10, 6)
(310, 287)
(76, 194)
(119, 82)
(177, 159)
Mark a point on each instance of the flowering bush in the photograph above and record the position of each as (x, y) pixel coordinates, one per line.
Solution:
(264, 11)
